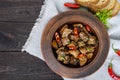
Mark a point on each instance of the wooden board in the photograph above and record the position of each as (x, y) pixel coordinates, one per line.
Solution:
(17, 18)
(20, 10)
(22, 66)
(13, 35)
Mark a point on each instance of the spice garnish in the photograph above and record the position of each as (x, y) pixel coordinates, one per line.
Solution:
(111, 72)
(117, 51)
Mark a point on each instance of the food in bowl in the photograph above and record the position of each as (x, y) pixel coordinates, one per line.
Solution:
(74, 44)
(69, 18)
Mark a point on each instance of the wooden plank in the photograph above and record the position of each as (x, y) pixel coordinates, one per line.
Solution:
(13, 35)
(20, 10)
(22, 66)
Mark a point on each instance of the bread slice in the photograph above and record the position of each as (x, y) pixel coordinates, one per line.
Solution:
(111, 5)
(101, 4)
(86, 3)
(116, 9)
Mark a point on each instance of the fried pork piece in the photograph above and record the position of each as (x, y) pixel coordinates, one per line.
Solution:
(66, 59)
(81, 44)
(61, 54)
(92, 40)
(54, 44)
(65, 41)
(83, 50)
(90, 49)
(62, 50)
(83, 60)
(78, 25)
(87, 49)
(59, 50)
(66, 32)
(89, 55)
(75, 53)
(83, 36)
(60, 57)
(62, 29)
(74, 38)
(74, 61)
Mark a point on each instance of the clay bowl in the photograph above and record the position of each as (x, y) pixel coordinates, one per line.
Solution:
(70, 17)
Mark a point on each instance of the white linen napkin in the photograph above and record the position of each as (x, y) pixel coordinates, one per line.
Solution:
(54, 7)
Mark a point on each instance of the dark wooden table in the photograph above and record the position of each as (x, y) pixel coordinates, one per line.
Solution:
(17, 18)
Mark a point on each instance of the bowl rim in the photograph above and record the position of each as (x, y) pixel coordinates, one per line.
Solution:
(81, 72)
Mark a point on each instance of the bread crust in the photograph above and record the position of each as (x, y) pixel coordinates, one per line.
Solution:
(101, 4)
(86, 3)
(96, 5)
(110, 6)
(116, 9)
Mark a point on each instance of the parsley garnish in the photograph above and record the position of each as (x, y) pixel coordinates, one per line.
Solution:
(104, 15)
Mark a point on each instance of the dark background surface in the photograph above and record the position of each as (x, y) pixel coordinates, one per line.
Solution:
(17, 18)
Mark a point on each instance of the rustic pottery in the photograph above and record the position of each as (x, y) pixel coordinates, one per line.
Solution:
(75, 16)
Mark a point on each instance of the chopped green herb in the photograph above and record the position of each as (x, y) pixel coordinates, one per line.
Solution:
(104, 15)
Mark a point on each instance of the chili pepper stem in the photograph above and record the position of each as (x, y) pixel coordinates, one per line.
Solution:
(114, 48)
(110, 64)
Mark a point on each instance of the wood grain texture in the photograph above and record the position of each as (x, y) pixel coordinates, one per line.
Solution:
(13, 35)
(20, 10)
(17, 18)
(22, 66)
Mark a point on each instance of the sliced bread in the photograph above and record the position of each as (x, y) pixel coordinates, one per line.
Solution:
(116, 9)
(86, 3)
(101, 4)
(111, 5)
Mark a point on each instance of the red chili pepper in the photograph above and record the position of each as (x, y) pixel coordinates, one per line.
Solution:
(76, 31)
(111, 72)
(80, 56)
(88, 28)
(116, 50)
(72, 47)
(72, 5)
(57, 37)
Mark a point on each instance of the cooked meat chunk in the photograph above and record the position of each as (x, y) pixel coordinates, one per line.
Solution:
(83, 60)
(65, 41)
(61, 55)
(87, 33)
(74, 38)
(67, 59)
(63, 28)
(92, 40)
(89, 55)
(83, 50)
(75, 53)
(83, 36)
(81, 44)
(54, 44)
(60, 58)
(78, 25)
(90, 48)
(74, 61)
(59, 50)
(66, 32)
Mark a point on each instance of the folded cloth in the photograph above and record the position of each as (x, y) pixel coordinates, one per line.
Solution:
(52, 8)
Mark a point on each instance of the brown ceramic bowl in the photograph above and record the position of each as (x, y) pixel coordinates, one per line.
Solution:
(70, 17)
